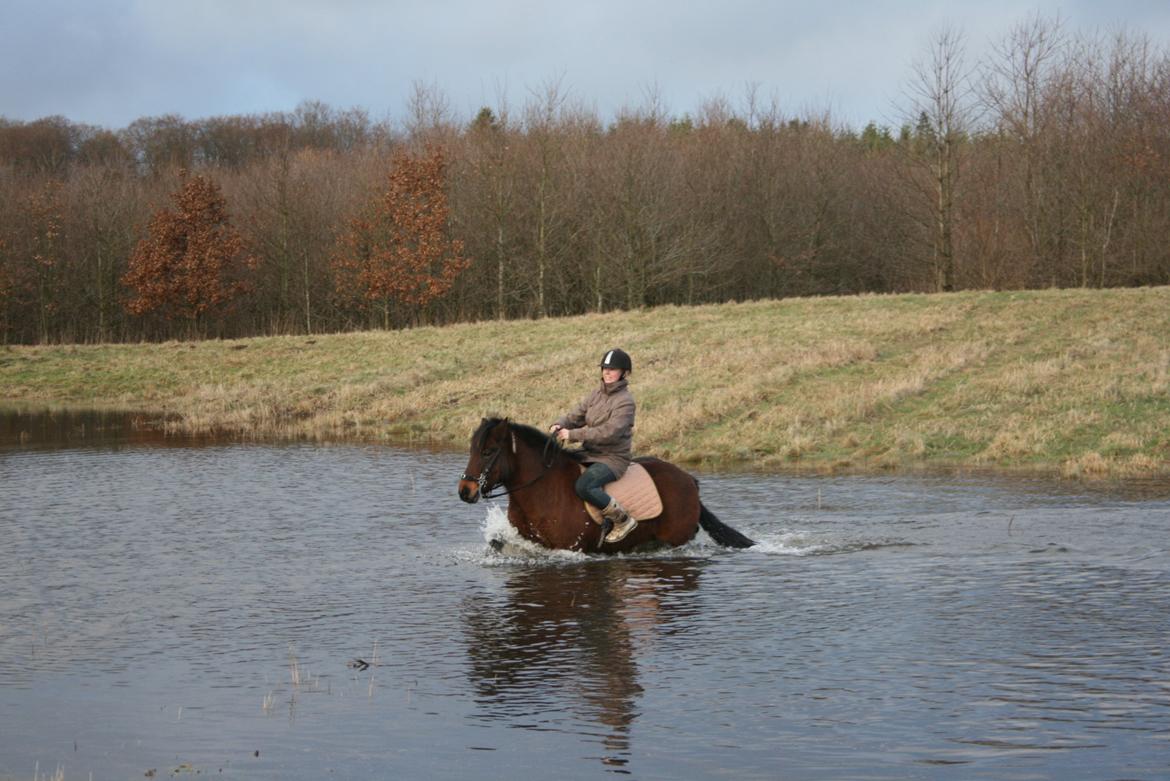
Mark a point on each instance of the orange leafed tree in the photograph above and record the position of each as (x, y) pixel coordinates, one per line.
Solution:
(398, 250)
(191, 261)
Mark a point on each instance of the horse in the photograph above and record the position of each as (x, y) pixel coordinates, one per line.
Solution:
(537, 475)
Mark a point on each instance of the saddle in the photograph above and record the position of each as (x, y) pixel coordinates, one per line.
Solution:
(635, 491)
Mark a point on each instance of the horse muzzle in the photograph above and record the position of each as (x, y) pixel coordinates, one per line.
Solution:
(469, 491)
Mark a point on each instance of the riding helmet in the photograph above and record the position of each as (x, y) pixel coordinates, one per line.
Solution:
(617, 359)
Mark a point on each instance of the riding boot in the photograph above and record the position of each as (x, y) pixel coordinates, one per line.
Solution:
(623, 524)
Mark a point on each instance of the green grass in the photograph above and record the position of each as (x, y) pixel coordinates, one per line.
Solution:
(1073, 381)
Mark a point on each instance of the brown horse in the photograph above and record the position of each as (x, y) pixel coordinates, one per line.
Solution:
(538, 475)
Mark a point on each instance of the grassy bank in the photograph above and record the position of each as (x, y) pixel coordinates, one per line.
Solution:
(1076, 381)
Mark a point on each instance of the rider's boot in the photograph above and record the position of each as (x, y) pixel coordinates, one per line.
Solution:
(623, 524)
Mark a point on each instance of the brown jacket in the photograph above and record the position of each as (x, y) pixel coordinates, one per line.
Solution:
(603, 422)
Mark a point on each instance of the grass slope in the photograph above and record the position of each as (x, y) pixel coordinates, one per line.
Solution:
(1073, 380)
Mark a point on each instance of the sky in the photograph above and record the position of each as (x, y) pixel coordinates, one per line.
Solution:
(110, 62)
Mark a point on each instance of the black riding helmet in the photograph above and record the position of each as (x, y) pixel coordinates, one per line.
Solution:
(617, 359)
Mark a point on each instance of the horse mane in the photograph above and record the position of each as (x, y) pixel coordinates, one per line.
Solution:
(529, 435)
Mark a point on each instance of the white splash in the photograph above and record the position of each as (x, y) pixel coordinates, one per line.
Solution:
(790, 543)
(517, 550)
(496, 527)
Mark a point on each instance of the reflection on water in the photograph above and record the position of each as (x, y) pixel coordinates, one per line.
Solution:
(575, 634)
(174, 607)
(66, 428)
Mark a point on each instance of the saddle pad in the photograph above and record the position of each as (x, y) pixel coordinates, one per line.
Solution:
(635, 492)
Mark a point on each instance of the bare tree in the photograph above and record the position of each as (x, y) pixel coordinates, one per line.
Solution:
(490, 187)
(105, 208)
(1014, 87)
(546, 147)
(429, 118)
(941, 106)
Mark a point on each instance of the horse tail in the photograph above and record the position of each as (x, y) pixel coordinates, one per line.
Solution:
(721, 532)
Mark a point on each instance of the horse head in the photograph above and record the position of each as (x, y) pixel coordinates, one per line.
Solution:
(487, 464)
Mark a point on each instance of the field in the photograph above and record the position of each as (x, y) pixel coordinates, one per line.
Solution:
(1069, 381)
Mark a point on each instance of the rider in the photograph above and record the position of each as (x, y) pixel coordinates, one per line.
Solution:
(604, 423)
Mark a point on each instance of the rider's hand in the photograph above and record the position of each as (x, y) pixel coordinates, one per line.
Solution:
(563, 434)
(554, 428)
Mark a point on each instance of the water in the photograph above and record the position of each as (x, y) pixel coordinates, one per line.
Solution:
(194, 607)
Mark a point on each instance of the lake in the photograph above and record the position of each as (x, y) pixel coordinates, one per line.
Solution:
(172, 606)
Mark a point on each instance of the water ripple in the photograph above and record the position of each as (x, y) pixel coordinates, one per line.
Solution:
(203, 603)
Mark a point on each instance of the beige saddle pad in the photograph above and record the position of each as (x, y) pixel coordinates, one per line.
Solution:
(635, 491)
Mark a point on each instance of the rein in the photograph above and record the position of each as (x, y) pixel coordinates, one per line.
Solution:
(482, 480)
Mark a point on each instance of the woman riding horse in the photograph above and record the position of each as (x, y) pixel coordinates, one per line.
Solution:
(603, 422)
(538, 477)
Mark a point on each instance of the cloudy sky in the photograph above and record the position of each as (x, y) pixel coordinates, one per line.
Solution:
(109, 62)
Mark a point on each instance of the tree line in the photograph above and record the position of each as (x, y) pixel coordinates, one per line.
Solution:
(1047, 163)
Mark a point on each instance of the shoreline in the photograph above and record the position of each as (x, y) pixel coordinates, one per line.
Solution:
(1133, 487)
(1059, 383)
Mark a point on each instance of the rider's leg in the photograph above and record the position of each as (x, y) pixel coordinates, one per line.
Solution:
(589, 485)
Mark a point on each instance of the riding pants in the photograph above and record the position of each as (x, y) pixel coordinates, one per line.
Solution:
(589, 485)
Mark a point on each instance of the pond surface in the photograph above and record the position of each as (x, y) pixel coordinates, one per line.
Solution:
(183, 608)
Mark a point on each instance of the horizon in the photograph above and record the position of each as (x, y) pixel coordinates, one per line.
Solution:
(112, 62)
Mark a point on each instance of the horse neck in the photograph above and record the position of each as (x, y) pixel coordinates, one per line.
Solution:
(529, 463)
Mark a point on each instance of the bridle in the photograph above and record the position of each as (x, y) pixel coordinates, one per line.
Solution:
(482, 479)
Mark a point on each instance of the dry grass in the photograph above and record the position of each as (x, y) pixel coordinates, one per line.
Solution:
(1070, 381)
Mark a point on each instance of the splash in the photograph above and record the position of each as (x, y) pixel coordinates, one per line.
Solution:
(792, 543)
(513, 549)
(502, 545)
(506, 546)
(819, 543)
